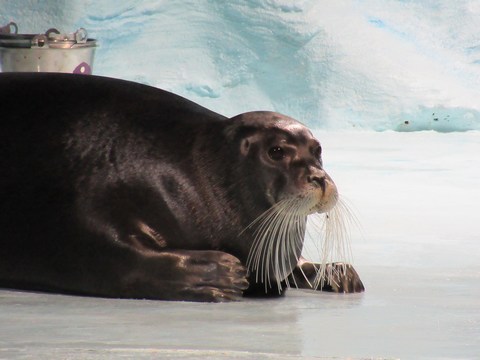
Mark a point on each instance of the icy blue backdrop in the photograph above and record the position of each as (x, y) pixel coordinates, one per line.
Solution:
(374, 64)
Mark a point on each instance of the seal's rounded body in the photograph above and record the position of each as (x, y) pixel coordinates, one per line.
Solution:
(117, 189)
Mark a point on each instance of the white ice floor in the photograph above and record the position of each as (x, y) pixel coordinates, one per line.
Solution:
(417, 197)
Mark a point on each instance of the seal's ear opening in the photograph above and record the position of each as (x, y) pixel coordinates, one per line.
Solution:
(245, 147)
(249, 143)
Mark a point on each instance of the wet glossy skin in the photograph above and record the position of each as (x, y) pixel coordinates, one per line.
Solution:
(122, 190)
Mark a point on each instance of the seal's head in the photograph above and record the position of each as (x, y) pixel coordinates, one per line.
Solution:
(283, 173)
(284, 161)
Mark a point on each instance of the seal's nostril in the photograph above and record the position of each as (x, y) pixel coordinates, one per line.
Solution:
(317, 181)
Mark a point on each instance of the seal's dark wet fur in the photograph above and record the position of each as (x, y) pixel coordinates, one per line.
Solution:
(112, 188)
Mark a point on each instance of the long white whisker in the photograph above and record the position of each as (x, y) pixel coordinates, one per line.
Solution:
(278, 234)
(335, 246)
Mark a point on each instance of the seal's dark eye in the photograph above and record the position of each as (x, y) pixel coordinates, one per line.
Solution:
(276, 153)
(317, 152)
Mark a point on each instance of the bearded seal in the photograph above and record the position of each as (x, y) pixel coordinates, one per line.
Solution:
(116, 189)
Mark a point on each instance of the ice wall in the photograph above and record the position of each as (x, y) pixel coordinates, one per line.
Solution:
(374, 64)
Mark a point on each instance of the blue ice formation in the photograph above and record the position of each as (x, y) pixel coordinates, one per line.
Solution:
(365, 64)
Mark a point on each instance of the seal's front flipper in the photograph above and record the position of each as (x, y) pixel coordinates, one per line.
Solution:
(339, 277)
(189, 275)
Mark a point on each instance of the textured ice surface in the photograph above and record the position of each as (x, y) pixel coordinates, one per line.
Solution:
(374, 64)
(417, 198)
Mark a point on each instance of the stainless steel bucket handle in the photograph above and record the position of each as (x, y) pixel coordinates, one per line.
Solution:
(81, 36)
(7, 29)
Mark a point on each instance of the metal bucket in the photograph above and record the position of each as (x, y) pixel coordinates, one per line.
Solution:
(49, 52)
